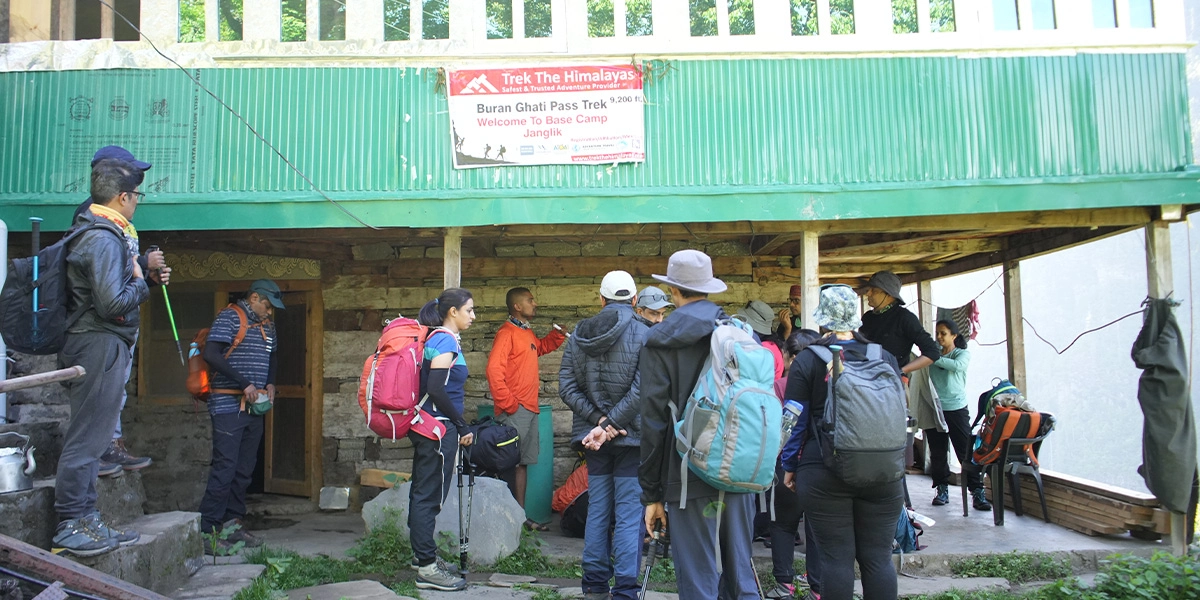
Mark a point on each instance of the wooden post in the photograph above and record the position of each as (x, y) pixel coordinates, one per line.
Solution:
(1159, 284)
(106, 22)
(452, 258)
(810, 277)
(925, 306)
(1014, 324)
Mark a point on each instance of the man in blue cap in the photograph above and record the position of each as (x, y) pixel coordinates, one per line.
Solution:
(118, 457)
(243, 389)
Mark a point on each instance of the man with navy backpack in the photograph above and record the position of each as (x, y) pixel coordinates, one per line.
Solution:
(671, 362)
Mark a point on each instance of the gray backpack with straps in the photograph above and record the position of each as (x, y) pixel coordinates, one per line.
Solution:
(863, 432)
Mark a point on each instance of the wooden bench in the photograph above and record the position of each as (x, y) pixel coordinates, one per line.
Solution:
(382, 479)
(1095, 508)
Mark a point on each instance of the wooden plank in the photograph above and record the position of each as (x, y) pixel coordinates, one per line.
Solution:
(28, 381)
(932, 245)
(1158, 259)
(379, 478)
(452, 258)
(1098, 488)
(1014, 325)
(810, 278)
(774, 243)
(51, 567)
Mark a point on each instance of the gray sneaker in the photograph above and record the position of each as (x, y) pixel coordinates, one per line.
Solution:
(108, 469)
(124, 537)
(433, 577)
(78, 537)
(443, 565)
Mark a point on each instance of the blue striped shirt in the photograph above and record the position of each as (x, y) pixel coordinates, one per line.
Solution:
(251, 359)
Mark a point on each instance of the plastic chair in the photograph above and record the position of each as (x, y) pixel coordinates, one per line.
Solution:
(1015, 463)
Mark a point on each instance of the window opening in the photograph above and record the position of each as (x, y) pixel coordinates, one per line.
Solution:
(703, 16)
(904, 16)
(1043, 14)
(804, 17)
(229, 20)
(1104, 14)
(1004, 15)
(333, 20)
(841, 17)
(132, 10)
(600, 18)
(435, 19)
(941, 16)
(87, 20)
(639, 17)
(1141, 13)
(191, 20)
(499, 19)
(539, 21)
(293, 26)
(395, 20)
(741, 17)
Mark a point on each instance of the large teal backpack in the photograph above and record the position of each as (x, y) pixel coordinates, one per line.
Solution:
(729, 434)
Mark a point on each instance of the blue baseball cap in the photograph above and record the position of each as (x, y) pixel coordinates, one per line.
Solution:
(118, 152)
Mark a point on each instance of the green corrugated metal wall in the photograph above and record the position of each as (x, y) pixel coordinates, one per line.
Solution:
(713, 127)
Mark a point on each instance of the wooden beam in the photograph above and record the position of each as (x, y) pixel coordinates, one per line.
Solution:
(810, 278)
(774, 243)
(922, 246)
(47, 566)
(381, 478)
(1020, 247)
(452, 258)
(1158, 260)
(925, 305)
(1014, 325)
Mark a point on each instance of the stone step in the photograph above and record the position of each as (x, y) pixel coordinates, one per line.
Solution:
(217, 582)
(29, 515)
(168, 553)
(350, 590)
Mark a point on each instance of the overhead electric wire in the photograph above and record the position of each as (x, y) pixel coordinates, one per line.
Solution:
(240, 118)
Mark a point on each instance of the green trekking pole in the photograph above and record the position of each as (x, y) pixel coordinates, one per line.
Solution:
(171, 317)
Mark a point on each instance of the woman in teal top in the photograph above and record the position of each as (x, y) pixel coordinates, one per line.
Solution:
(949, 376)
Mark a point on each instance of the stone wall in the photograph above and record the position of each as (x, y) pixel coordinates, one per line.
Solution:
(359, 294)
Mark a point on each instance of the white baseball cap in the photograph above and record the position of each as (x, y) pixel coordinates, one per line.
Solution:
(618, 285)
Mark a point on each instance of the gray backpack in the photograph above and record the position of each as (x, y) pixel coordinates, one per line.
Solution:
(863, 432)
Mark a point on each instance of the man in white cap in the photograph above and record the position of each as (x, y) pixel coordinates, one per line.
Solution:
(599, 381)
(651, 306)
(671, 363)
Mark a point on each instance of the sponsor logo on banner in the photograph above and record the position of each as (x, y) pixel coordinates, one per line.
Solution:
(586, 114)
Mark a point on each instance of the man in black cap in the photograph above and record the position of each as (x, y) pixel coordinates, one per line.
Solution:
(242, 358)
(118, 457)
(895, 328)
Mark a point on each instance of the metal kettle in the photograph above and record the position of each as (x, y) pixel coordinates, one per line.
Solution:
(16, 464)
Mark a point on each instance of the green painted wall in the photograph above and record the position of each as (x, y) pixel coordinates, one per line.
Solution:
(726, 140)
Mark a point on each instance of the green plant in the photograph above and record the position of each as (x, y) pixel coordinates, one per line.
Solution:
(260, 589)
(408, 587)
(214, 539)
(539, 593)
(529, 560)
(384, 549)
(1135, 578)
(1016, 567)
(974, 595)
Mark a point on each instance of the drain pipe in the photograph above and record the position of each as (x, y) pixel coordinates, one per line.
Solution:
(3, 348)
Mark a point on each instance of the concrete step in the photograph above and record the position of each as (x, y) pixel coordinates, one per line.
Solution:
(29, 515)
(350, 590)
(217, 582)
(168, 553)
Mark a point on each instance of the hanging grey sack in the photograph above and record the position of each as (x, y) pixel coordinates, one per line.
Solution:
(1169, 429)
(864, 430)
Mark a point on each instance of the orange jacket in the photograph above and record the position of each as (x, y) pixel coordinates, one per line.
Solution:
(512, 370)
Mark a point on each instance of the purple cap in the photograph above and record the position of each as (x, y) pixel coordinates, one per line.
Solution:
(118, 153)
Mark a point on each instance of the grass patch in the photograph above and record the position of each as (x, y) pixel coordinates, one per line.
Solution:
(1016, 567)
(529, 560)
(1134, 577)
(539, 593)
(975, 595)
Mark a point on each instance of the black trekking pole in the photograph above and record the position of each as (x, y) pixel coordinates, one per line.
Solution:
(655, 546)
(464, 533)
(171, 317)
(36, 240)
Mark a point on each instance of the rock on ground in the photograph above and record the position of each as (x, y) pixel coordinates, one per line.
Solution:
(496, 518)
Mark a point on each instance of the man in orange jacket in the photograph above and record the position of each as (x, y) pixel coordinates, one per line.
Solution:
(512, 374)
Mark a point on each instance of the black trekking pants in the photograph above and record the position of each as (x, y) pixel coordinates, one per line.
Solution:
(959, 424)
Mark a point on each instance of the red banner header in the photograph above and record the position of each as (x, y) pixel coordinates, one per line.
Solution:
(526, 80)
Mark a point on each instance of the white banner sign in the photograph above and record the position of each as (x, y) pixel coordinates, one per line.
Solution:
(547, 116)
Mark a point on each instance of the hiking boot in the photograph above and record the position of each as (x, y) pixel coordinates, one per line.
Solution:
(443, 565)
(108, 469)
(124, 537)
(781, 590)
(118, 454)
(943, 495)
(434, 577)
(241, 535)
(222, 548)
(77, 537)
(979, 500)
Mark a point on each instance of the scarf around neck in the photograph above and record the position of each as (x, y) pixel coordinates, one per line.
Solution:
(131, 235)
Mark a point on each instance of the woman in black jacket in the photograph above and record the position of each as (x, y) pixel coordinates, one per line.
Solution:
(850, 523)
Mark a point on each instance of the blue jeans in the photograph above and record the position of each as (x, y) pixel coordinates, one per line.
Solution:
(613, 492)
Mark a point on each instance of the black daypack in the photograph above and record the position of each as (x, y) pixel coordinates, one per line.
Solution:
(496, 447)
(42, 331)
